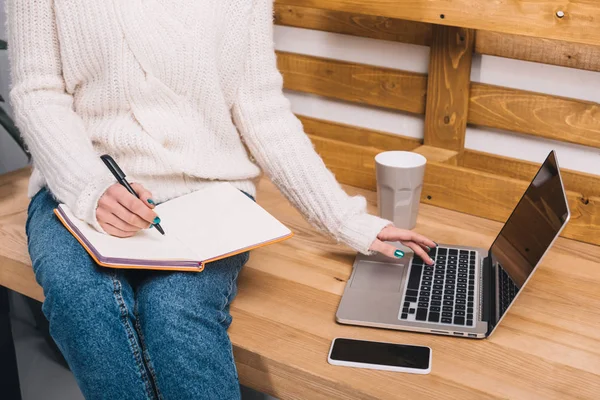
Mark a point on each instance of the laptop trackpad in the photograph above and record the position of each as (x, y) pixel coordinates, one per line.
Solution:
(379, 277)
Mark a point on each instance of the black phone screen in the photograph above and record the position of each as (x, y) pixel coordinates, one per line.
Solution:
(393, 355)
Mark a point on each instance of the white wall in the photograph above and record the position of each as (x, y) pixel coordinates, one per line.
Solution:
(541, 78)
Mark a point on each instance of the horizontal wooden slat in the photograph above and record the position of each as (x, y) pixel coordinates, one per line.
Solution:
(527, 48)
(542, 115)
(581, 22)
(353, 165)
(551, 117)
(437, 154)
(494, 197)
(580, 182)
(370, 26)
(376, 86)
(356, 135)
(457, 188)
(547, 51)
(360, 146)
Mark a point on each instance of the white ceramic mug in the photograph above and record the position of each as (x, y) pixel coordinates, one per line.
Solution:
(399, 184)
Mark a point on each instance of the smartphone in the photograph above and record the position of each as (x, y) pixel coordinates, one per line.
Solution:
(380, 355)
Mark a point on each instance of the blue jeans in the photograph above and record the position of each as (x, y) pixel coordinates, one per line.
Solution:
(134, 334)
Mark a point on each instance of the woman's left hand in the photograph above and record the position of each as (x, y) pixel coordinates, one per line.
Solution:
(418, 243)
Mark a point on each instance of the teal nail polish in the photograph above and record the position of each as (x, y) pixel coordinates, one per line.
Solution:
(150, 201)
(399, 253)
(156, 221)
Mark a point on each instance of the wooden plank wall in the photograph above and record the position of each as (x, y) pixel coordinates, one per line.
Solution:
(457, 178)
(577, 21)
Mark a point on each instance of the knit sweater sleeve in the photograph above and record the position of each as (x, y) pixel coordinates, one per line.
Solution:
(276, 139)
(44, 111)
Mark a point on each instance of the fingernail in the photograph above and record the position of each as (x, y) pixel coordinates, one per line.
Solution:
(156, 221)
(436, 245)
(399, 253)
(150, 201)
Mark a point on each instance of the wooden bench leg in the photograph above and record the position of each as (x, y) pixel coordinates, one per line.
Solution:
(9, 374)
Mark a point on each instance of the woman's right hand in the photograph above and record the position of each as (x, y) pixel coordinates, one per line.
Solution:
(121, 214)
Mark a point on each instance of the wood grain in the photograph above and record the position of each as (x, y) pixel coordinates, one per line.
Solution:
(13, 192)
(527, 48)
(356, 135)
(351, 164)
(494, 197)
(547, 51)
(376, 86)
(575, 181)
(438, 155)
(448, 87)
(370, 26)
(542, 115)
(537, 18)
(307, 291)
(283, 320)
(457, 188)
(15, 265)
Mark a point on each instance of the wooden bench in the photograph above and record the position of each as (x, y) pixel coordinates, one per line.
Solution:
(547, 347)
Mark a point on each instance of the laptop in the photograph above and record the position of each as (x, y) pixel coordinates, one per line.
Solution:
(469, 290)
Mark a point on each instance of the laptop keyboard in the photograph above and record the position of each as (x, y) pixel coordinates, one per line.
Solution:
(508, 290)
(443, 293)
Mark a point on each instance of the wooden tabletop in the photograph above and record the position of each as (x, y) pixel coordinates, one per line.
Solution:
(548, 346)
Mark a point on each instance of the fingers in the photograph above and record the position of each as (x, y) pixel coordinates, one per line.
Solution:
(111, 230)
(393, 234)
(422, 240)
(111, 206)
(419, 251)
(144, 195)
(393, 252)
(386, 249)
(122, 214)
(134, 206)
(107, 217)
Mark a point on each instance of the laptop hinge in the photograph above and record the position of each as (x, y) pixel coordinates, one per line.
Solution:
(489, 294)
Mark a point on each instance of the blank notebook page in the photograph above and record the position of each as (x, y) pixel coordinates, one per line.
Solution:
(219, 220)
(148, 244)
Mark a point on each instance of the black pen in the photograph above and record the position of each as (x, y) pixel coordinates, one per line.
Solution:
(120, 176)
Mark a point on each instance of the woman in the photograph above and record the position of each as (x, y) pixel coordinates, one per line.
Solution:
(181, 94)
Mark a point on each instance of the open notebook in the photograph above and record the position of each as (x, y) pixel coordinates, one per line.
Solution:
(213, 223)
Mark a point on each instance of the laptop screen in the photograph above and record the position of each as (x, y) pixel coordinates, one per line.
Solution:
(530, 230)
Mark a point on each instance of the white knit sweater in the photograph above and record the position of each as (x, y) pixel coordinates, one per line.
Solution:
(181, 93)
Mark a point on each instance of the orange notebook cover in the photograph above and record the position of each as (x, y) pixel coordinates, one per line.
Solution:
(216, 222)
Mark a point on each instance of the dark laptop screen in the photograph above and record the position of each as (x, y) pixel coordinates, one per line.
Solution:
(535, 222)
